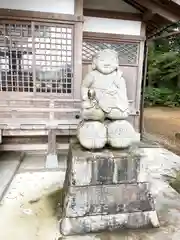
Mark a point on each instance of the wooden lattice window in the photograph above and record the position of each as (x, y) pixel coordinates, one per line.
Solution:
(36, 57)
(128, 51)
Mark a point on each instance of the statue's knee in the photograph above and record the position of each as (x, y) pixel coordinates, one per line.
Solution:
(121, 134)
(92, 134)
(93, 114)
(117, 114)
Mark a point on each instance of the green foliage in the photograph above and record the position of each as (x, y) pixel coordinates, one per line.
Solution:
(163, 68)
(162, 97)
(163, 76)
(174, 181)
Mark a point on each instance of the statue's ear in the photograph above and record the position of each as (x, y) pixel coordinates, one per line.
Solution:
(93, 65)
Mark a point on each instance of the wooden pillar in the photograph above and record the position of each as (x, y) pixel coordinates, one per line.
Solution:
(51, 141)
(51, 159)
(139, 78)
(1, 136)
(78, 39)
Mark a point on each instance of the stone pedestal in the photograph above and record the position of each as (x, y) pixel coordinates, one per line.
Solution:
(103, 190)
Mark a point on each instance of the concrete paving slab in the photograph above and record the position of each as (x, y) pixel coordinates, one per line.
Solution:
(9, 164)
(37, 162)
(37, 221)
(21, 217)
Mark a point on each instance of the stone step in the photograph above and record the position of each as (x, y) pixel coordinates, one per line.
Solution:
(93, 224)
(107, 199)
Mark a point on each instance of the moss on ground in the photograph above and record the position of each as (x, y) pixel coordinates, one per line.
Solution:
(174, 182)
(55, 199)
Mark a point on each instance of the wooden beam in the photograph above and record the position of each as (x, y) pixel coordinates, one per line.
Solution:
(112, 14)
(135, 5)
(112, 37)
(169, 5)
(34, 133)
(78, 41)
(38, 16)
(175, 33)
(31, 147)
(148, 15)
(143, 29)
(159, 10)
(29, 109)
(78, 8)
(176, 1)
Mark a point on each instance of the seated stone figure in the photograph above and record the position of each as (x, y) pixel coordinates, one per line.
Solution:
(106, 87)
(105, 105)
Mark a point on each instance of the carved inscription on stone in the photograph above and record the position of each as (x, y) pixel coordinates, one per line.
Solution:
(108, 199)
(104, 169)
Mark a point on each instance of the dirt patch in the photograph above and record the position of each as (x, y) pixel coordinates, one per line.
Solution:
(164, 123)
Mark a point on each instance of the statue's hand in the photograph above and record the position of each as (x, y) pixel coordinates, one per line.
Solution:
(91, 94)
(89, 104)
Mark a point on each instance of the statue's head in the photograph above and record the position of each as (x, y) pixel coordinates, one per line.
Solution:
(106, 61)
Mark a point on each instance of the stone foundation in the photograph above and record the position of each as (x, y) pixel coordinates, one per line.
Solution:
(104, 191)
(89, 224)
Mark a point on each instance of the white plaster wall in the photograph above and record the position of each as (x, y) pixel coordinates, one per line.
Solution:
(116, 26)
(112, 5)
(54, 6)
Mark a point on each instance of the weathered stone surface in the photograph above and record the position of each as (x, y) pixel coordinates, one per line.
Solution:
(104, 98)
(107, 199)
(102, 192)
(92, 134)
(80, 237)
(72, 226)
(121, 134)
(104, 89)
(103, 167)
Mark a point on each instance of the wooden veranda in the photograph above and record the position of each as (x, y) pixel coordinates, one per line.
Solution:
(44, 56)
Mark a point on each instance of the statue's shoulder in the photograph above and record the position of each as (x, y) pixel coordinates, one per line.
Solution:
(119, 73)
(91, 75)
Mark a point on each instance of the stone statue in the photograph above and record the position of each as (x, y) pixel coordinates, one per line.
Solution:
(103, 90)
(105, 105)
(105, 189)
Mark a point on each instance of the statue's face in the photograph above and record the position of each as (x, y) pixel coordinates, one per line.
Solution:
(106, 62)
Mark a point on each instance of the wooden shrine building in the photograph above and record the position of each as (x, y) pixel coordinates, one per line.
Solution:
(46, 48)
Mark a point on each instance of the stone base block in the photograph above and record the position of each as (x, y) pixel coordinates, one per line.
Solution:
(103, 191)
(107, 207)
(105, 166)
(107, 199)
(136, 220)
(80, 237)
